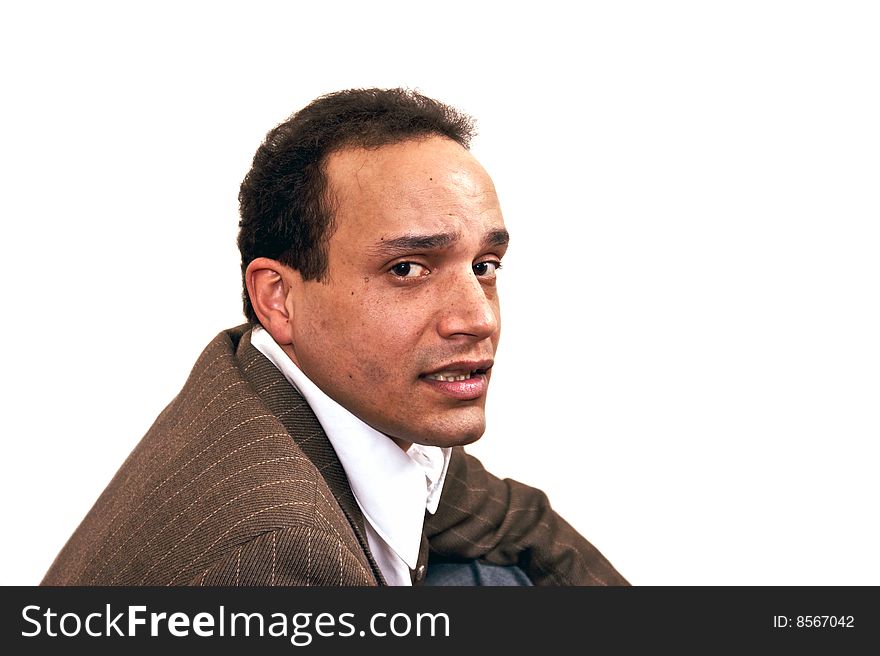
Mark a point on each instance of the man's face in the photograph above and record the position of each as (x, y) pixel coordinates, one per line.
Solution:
(403, 330)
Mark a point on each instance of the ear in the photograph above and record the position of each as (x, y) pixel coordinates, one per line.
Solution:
(269, 284)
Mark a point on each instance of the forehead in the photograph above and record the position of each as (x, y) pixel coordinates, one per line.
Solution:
(431, 184)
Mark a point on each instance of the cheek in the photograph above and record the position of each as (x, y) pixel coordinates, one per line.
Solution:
(388, 337)
(375, 334)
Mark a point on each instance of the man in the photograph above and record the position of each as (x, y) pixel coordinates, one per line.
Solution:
(321, 443)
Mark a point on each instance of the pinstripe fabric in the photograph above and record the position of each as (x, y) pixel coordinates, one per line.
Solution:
(236, 484)
(217, 492)
(504, 522)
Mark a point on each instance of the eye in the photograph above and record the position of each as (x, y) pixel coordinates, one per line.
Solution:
(487, 269)
(409, 270)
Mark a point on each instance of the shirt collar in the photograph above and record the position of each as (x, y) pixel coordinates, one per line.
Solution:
(393, 488)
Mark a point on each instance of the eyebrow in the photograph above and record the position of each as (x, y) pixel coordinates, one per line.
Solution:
(497, 238)
(409, 243)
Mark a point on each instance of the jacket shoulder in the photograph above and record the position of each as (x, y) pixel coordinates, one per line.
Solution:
(216, 471)
(298, 555)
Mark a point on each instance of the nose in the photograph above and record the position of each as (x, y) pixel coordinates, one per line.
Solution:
(470, 309)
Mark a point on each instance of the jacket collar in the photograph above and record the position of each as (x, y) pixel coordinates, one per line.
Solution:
(288, 405)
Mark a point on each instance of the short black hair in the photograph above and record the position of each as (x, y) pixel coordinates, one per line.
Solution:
(282, 201)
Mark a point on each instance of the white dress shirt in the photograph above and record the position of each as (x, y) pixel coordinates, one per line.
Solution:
(393, 487)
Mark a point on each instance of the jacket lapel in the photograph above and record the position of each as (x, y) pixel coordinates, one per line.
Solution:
(291, 409)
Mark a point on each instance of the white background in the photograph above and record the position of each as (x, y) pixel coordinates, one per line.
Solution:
(690, 365)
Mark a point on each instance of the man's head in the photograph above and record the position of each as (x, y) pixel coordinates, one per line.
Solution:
(370, 238)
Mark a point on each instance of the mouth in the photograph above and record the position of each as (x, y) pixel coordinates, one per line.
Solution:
(455, 375)
(462, 381)
(459, 370)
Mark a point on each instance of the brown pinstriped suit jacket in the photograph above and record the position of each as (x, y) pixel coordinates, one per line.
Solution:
(236, 484)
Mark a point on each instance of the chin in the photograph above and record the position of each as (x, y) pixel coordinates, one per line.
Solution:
(457, 434)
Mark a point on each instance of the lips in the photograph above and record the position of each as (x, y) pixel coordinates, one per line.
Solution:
(454, 375)
(462, 381)
(466, 368)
